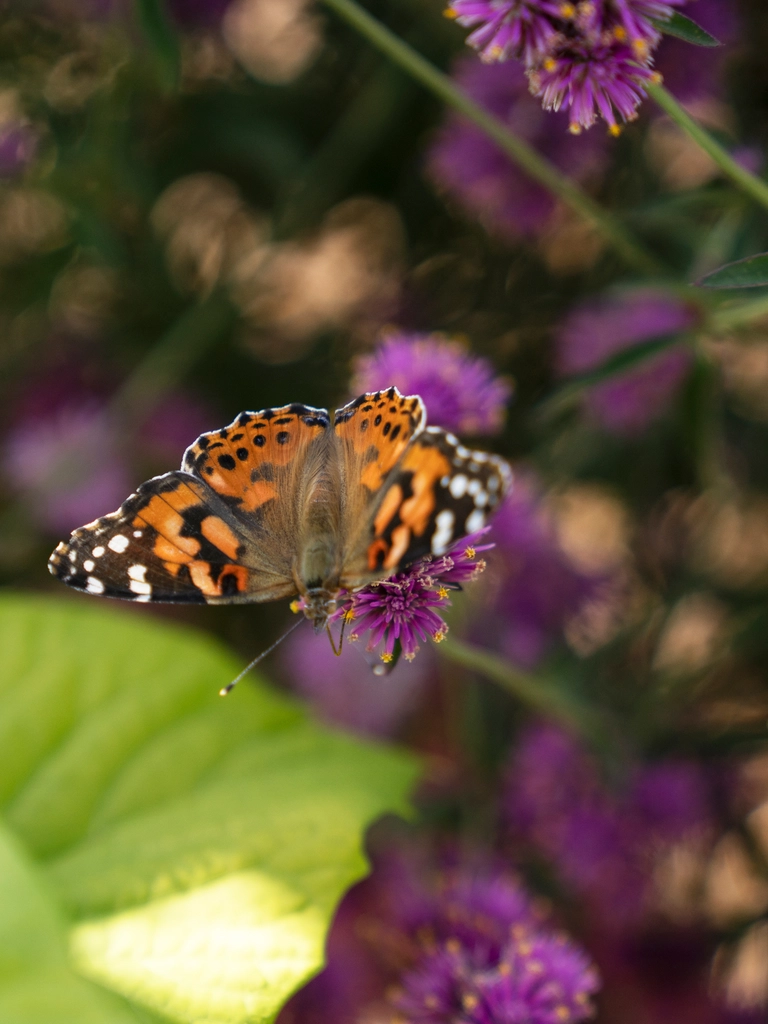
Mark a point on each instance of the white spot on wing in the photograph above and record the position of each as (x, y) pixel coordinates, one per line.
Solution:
(463, 452)
(138, 572)
(118, 543)
(72, 556)
(98, 552)
(138, 533)
(474, 486)
(141, 588)
(458, 485)
(443, 535)
(89, 565)
(94, 586)
(475, 521)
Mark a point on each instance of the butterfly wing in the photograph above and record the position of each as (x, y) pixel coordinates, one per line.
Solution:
(222, 530)
(438, 492)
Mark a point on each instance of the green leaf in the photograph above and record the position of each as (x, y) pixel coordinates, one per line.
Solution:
(197, 844)
(685, 28)
(160, 33)
(751, 272)
(37, 985)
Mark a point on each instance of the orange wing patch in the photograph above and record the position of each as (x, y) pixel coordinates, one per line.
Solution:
(241, 461)
(376, 429)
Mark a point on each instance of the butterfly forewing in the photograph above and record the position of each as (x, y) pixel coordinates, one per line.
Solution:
(223, 530)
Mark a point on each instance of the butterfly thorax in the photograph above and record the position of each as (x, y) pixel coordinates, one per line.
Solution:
(317, 569)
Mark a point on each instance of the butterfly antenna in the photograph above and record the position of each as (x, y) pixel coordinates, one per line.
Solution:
(230, 686)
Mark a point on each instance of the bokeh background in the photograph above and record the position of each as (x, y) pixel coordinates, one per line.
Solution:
(215, 205)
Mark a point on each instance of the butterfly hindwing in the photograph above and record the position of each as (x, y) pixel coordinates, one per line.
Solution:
(439, 492)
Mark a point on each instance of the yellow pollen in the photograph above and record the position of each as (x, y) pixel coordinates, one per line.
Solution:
(581, 998)
(452, 946)
(574, 128)
(562, 1013)
(495, 53)
(550, 64)
(567, 10)
(352, 637)
(469, 1002)
(440, 635)
(524, 949)
(295, 606)
(535, 967)
(470, 552)
(431, 1002)
(657, 78)
(442, 592)
(450, 13)
(505, 969)
(620, 33)
(640, 47)
(614, 130)
(386, 658)
(410, 657)
(349, 614)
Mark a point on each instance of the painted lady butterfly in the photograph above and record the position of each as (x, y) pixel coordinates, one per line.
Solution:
(290, 501)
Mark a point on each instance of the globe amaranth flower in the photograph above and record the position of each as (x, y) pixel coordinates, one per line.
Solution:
(598, 329)
(589, 57)
(472, 169)
(460, 390)
(405, 609)
(604, 843)
(539, 979)
(508, 28)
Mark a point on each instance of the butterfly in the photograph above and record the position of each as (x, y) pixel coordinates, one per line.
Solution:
(290, 501)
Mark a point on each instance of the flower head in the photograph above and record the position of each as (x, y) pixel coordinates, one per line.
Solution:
(600, 328)
(602, 842)
(460, 390)
(507, 28)
(538, 979)
(472, 168)
(405, 609)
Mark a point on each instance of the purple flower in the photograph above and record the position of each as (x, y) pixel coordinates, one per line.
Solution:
(473, 169)
(539, 979)
(539, 589)
(601, 328)
(459, 389)
(508, 28)
(602, 842)
(18, 145)
(344, 691)
(589, 79)
(404, 609)
(67, 466)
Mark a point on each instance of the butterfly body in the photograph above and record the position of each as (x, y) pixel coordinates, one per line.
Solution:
(290, 501)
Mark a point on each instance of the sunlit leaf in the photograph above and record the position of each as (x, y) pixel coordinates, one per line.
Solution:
(198, 845)
(751, 272)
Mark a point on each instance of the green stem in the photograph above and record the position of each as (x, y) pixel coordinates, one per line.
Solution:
(749, 183)
(535, 166)
(535, 692)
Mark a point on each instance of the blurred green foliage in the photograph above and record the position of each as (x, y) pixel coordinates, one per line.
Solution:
(146, 815)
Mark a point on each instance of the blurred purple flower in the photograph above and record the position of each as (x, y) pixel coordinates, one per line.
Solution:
(473, 169)
(458, 946)
(602, 843)
(67, 466)
(460, 390)
(540, 588)
(539, 979)
(343, 690)
(18, 145)
(601, 328)
(685, 73)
